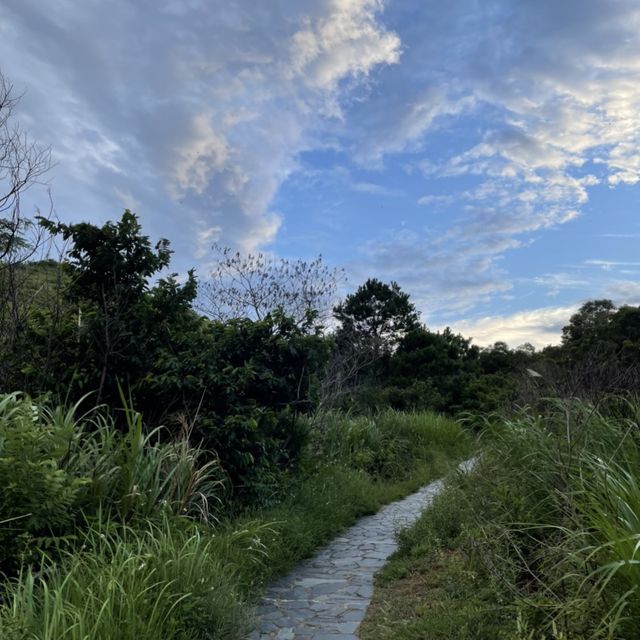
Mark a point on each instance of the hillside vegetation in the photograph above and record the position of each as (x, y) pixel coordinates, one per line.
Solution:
(541, 540)
(166, 448)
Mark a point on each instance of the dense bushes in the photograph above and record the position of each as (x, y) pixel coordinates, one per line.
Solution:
(98, 322)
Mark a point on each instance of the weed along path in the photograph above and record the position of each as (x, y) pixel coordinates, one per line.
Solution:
(326, 597)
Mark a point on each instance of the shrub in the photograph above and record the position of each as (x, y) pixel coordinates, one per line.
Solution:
(39, 497)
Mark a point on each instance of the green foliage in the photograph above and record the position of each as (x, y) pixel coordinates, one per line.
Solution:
(609, 499)
(240, 382)
(108, 322)
(131, 565)
(389, 444)
(111, 263)
(158, 581)
(39, 496)
(243, 382)
(587, 329)
(378, 314)
(544, 534)
(56, 469)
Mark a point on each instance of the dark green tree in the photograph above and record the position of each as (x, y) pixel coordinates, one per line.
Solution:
(377, 314)
(110, 266)
(588, 331)
(625, 330)
(443, 361)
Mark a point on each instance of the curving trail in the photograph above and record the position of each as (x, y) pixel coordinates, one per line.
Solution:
(325, 598)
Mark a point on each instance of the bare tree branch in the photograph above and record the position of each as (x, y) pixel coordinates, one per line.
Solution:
(254, 285)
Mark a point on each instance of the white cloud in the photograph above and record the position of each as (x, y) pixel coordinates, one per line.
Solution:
(540, 327)
(347, 41)
(200, 108)
(198, 157)
(624, 292)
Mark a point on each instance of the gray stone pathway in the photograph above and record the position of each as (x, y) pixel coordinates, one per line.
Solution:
(326, 597)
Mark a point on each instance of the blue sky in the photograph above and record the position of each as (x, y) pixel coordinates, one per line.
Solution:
(486, 155)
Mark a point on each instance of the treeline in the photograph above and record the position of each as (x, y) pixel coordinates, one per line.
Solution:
(260, 344)
(599, 354)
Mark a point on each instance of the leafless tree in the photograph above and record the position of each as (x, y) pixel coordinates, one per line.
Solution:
(348, 364)
(254, 285)
(23, 164)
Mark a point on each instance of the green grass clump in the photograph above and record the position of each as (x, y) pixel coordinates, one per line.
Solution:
(390, 444)
(162, 581)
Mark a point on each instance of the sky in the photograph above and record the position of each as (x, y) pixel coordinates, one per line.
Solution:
(484, 154)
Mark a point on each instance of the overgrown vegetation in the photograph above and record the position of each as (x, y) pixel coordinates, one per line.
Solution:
(121, 534)
(539, 541)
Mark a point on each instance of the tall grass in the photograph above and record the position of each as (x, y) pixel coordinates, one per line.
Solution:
(138, 539)
(161, 581)
(390, 444)
(547, 526)
(609, 501)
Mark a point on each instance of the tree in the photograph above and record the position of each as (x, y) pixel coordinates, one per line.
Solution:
(22, 165)
(377, 314)
(111, 266)
(625, 330)
(255, 285)
(588, 329)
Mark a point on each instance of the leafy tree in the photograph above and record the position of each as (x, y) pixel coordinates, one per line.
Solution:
(625, 330)
(445, 360)
(588, 329)
(377, 314)
(240, 383)
(111, 266)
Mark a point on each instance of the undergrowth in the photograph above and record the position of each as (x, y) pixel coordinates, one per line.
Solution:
(540, 541)
(107, 534)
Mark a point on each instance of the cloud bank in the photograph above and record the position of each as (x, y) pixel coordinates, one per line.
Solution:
(194, 110)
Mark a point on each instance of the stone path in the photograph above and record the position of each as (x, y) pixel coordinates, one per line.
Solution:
(326, 597)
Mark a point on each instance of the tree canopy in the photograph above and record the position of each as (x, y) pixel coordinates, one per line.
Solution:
(377, 313)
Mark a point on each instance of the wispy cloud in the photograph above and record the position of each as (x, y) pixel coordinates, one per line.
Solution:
(609, 265)
(633, 236)
(554, 283)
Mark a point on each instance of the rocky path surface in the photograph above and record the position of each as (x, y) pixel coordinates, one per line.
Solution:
(326, 597)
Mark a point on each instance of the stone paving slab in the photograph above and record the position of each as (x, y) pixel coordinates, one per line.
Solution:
(326, 597)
